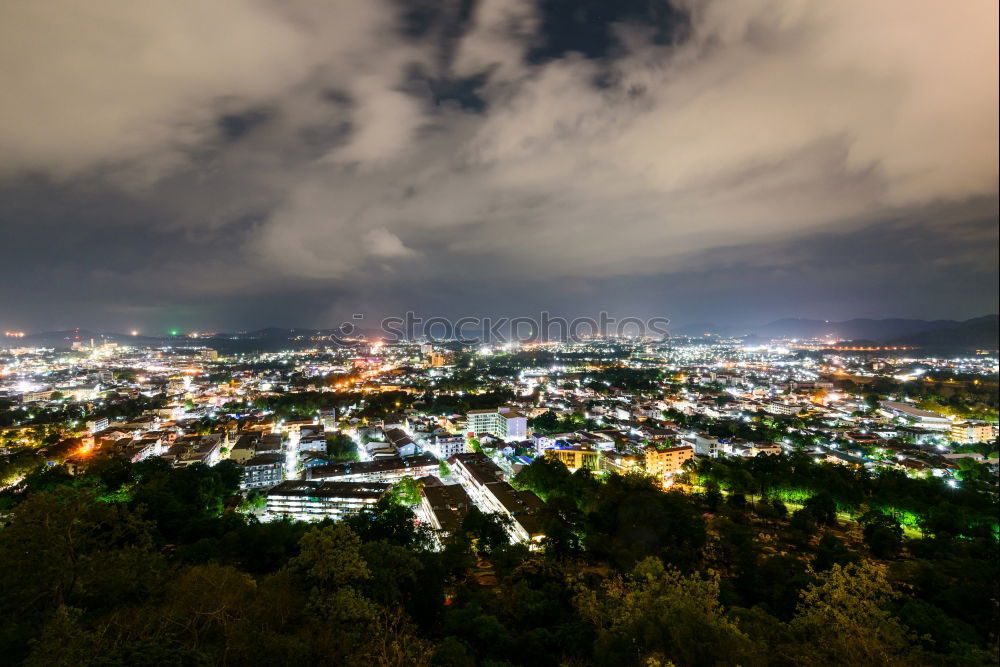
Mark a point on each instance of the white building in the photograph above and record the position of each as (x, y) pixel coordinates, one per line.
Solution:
(312, 439)
(446, 446)
(312, 501)
(504, 422)
(99, 424)
(924, 418)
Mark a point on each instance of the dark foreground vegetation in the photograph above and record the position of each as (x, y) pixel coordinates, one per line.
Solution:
(772, 561)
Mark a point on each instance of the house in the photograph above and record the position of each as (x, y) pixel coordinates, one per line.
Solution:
(245, 448)
(404, 444)
(312, 439)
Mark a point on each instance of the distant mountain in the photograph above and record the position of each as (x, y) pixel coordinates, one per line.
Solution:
(879, 330)
(700, 328)
(269, 339)
(979, 333)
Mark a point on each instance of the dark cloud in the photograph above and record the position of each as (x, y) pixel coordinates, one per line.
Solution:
(589, 27)
(229, 166)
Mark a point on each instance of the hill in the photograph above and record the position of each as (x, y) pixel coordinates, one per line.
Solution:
(869, 329)
(978, 333)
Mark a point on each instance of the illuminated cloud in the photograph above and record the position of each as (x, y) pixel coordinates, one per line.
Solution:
(507, 145)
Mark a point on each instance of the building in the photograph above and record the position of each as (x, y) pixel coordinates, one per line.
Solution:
(209, 354)
(504, 422)
(389, 470)
(475, 471)
(143, 448)
(446, 446)
(402, 442)
(667, 462)
(312, 439)
(445, 506)
(785, 409)
(523, 507)
(438, 359)
(37, 396)
(329, 419)
(924, 418)
(486, 485)
(312, 501)
(765, 449)
(269, 444)
(575, 457)
(971, 431)
(192, 449)
(245, 448)
(620, 462)
(98, 424)
(262, 472)
(703, 444)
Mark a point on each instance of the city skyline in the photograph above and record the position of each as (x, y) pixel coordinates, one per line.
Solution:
(283, 164)
(499, 332)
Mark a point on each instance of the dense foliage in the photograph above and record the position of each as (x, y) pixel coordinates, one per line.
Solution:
(771, 561)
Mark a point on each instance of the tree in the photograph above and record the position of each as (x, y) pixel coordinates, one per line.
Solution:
(390, 521)
(253, 502)
(547, 422)
(842, 620)
(713, 495)
(331, 560)
(330, 556)
(65, 547)
(488, 531)
(341, 447)
(659, 614)
(969, 470)
(407, 491)
(823, 509)
(544, 476)
(831, 551)
(802, 525)
(883, 533)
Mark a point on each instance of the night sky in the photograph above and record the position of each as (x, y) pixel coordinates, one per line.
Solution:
(233, 165)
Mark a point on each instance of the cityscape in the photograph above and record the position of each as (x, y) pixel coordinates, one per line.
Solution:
(499, 333)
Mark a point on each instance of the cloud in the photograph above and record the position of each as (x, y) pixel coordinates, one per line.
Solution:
(311, 140)
(773, 119)
(135, 88)
(383, 243)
